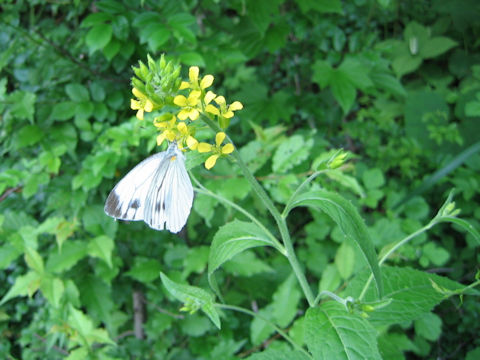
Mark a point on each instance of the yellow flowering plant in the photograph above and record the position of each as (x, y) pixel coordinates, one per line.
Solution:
(158, 87)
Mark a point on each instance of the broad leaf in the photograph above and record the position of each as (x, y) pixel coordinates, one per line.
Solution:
(291, 153)
(24, 285)
(193, 296)
(413, 293)
(275, 354)
(333, 333)
(101, 247)
(348, 220)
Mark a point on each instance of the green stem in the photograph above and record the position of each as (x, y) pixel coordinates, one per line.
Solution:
(282, 225)
(299, 189)
(277, 329)
(395, 248)
(203, 190)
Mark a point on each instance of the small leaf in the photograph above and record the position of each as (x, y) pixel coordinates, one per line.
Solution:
(24, 285)
(98, 36)
(144, 269)
(77, 92)
(333, 333)
(28, 136)
(343, 90)
(34, 260)
(348, 220)
(436, 46)
(52, 289)
(429, 326)
(188, 294)
(276, 354)
(233, 238)
(63, 111)
(291, 153)
(101, 247)
(345, 260)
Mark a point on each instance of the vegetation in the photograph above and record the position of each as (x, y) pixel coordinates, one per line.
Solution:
(349, 178)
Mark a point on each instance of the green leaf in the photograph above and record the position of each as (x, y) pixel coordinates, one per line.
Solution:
(192, 294)
(28, 136)
(231, 239)
(101, 247)
(472, 108)
(345, 260)
(195, 261)
(413, 294)
(291, 153)
(405, 64)
(23, 105)
(77, 92)
(373, 178)
(348, 220)
(356, 72)
(158, 37)
(429, 326)
(388, 82)
(436, 46)
(34, 260)
(192, 59)
(322, 6)
(98, 36)
(144, 269)
(274, 354)
(322, 72)
(246, 264)
(333, 333)
(63, 111)
(24, 285)
(96, 295)
(330, 280)
(52, 289)
(343, 90)
(70, 253)
(8, 253)
(285, 301)
(80, 353)
(464, 224)
(95, 18)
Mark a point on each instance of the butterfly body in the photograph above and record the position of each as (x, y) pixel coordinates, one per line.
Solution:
(158, 191)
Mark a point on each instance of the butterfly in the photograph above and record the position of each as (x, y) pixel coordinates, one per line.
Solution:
(158, 191)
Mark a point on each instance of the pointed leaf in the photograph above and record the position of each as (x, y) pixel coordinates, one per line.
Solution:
(101, 247)
(24, 285)
(348, 220)
(188, 294)
(333, 333)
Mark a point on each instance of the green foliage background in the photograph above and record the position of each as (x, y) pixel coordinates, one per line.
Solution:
(396, 83)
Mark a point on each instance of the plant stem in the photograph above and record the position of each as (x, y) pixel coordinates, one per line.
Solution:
(282, 225)
(277, 329)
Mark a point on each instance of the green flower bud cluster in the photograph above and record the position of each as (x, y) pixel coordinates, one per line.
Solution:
(158, 80)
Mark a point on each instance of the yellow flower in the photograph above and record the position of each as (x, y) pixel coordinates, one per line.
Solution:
(224, 110)
(194, 84)
(217, 149)
(185, 136)
(143, 104)
(189, 105)
(166, 122)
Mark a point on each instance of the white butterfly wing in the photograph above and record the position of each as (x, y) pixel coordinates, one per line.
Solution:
(158, 191)
(170, 197)
(127, 199)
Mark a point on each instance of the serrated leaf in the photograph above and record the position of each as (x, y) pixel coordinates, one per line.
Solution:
(96, 295)
(343, 90)
(290, 153)
(101, 247)
(52, 289)
(98, 36)
(34, 260)
(356, 72)
(24, 285)
(348, 220)
(412, 292)
(66, 257)
(331, 332)
(189, 294)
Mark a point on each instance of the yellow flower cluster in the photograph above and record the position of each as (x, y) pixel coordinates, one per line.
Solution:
(177, 127)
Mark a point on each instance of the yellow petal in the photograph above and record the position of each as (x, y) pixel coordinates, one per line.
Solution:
(184, 85)
(183, 114)
(137, 93)
(160, 138)
(160, 124)
(236, 105)
(140, 114)
(206, 81)
(170, 135)
(220, 100)
(148, 106)
(192, 143)
(211, 161)
(180, 100)
(228, 114)
(212, 109)
(209, 96)
(228, 149)
(193, 73)
(204, 147)
(182, 127)
(219, 138)
(194, 114)
(134, 104)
